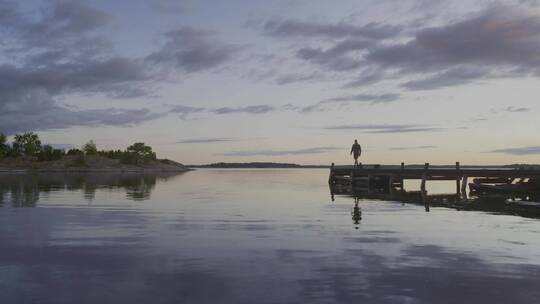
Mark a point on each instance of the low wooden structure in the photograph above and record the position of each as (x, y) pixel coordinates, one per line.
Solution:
(386, 183)
(385, 179)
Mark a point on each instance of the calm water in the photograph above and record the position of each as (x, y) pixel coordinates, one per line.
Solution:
(250, 236)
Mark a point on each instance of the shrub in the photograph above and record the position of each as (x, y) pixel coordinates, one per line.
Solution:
(74, 152)
(48, 153)
(79, 160)
(4, 148)
(129, 158)
(113, 154)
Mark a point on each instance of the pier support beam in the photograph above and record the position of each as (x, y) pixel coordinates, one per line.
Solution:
(391, 184)
(464, 184)
(402, 186)
(458, 188)
(424, 178)
(331, 177)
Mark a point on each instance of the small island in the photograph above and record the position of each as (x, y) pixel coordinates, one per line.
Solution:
(27, 154)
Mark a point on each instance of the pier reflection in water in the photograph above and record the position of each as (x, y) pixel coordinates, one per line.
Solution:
(22, 190)
(526, 205)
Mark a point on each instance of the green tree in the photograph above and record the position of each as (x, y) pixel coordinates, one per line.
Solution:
(4, 148)
(138, 153)
(73, 152)
(27, 144)
(90, 148)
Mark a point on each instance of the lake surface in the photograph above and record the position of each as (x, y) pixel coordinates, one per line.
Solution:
(250, 236)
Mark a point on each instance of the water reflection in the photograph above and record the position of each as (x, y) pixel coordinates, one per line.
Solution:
(509, 204)
(356, 213)
(225, 236)
(25, 190)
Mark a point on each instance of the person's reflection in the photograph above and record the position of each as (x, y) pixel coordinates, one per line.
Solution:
(356, 213)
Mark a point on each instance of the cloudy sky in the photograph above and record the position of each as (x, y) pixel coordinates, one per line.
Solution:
(277, 80)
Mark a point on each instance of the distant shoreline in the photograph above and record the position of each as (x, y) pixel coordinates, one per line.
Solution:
(92, 164)
(270, 165)
(89, 170)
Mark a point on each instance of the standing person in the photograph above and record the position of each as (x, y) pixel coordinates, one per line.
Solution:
(356, 150)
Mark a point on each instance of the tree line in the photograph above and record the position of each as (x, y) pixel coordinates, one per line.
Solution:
(28, 145)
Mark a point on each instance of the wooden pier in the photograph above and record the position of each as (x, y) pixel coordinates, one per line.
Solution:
(386, 183)
(387, 178)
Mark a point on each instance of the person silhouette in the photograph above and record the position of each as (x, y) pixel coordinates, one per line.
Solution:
(356, 151)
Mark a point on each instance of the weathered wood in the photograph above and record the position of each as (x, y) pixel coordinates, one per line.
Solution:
(402, 182)
(331, 176)
(464, 184)
(424, 177)
(457, 178)
(342, 178)
(388, 178)
(416, 173)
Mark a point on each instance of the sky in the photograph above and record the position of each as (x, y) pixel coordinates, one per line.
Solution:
(202, 81)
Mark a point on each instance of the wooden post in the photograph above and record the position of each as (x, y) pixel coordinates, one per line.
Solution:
(457, 178)
(424, 177)
(464, 184)
(331, 177)
(391, 183)
(425, 198)
(401, 177)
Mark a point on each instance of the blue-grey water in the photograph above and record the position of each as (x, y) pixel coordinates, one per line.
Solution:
(250, 236)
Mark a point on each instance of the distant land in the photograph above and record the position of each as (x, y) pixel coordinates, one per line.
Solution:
(90, 163)
(255, 165)
(262, 165)
(26, 154)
